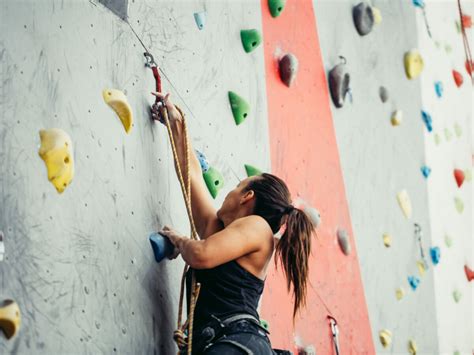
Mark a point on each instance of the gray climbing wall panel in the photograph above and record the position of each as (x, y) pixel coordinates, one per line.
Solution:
(79, 264)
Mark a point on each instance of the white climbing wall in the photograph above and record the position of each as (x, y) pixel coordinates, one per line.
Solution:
(379, 160)
(449, 147)
(80, 264)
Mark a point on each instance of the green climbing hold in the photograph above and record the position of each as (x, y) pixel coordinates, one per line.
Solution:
(437, 138)
(457, 130)
(250, 39)
(448, 241)
(240, 107)
(264, 324)
(251, 170)
(276, 7)
(459, 205)
(457, 295)
(447, 134)
(214, 181)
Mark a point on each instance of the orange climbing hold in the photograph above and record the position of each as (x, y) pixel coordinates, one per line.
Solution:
(466, 21)
(469, 273)
(459, 176)
(458, 79)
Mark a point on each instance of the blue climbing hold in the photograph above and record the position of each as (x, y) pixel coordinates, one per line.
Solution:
(428, 120)
(202, 160)
(426, 171)
(162, 247)
(200, 18)
(435, 253)
(414, 282)
(419, 3)
(439, 88)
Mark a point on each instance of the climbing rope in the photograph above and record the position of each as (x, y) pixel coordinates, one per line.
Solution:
(467, 49)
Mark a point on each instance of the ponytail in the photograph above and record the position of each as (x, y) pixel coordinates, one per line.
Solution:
(294, 249)
(273, 203)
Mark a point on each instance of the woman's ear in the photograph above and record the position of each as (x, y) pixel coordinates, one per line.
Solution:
(249, 195)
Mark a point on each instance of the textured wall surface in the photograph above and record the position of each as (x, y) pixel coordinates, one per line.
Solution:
(79, 264)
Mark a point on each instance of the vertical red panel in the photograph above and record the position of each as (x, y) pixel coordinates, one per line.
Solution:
(304, 153)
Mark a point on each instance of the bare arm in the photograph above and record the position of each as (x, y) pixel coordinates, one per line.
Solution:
(243, 236)
(204, 213)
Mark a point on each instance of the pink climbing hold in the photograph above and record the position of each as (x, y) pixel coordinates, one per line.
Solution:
(458, 79)
(469, 273)
(459, 176)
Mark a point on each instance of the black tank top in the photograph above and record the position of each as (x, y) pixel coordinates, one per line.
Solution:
(226, 290)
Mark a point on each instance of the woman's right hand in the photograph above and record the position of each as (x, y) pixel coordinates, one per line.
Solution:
(158, 109)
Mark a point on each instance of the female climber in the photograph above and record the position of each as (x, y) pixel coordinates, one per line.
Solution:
(235, 248)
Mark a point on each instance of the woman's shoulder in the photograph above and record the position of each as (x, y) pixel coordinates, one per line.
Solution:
(253, 224)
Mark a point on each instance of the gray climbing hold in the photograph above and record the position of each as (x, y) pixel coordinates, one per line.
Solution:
(343, 240)
(200, 18)
(339, 81)
(288, 67)
(118, 7)
(2, 246)
(383, 93)
(313, 215)
(363, 18)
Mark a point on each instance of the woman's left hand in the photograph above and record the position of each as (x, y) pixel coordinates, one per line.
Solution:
(174, 237)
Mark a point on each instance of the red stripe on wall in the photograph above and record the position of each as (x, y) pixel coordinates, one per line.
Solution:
(304, 153)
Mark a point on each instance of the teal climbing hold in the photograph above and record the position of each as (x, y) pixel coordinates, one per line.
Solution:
(240, 107)
(439, 88)
(276, 7)
(426, 171)
(200, 18)
(251, 170)
(214, 181)
(250, 39)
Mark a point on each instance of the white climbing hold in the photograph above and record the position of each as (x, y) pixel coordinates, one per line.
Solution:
(405, 203)
(343, 240)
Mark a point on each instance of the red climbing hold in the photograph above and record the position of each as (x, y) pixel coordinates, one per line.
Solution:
(457, 78)
(466, 21)
(459, 176)
(470, 68)
(469, 273)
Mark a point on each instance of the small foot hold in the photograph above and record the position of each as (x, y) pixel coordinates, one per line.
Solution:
(214, 181)
(240, 107)
(288, 67)
(250, 39)
(339, 81)
(413, 64)
(251, 170)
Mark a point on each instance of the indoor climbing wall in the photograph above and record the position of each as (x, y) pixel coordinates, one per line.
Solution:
(412, 274)
(79, 263)
(447, 97)
(355, 105)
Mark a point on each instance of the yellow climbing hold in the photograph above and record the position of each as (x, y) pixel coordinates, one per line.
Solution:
(421, 267)
(387, 240)
(385, 336)
(413, 64)
(118, 101)
(468, 174)
(57, 153)
(377, 15)
(9, 318)
(400, 293)
(397, 117)
(405, 203)
(412, 348)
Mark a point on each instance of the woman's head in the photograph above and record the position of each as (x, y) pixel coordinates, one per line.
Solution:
(267, 196)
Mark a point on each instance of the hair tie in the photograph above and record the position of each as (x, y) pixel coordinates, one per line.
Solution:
(289, 209)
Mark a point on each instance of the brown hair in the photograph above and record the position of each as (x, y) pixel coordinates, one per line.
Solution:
(273, 203)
